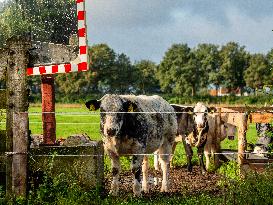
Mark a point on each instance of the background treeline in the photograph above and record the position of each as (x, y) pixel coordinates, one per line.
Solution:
(182, 72)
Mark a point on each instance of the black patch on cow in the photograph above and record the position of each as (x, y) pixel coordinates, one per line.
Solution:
(205, 130)
(136, 170)
(129, 106)
(93, 105)
(212, 109)
(115, 171)
(185, 120)
(134, 126)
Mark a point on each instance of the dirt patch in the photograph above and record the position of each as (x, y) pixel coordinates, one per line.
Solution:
(182, 182)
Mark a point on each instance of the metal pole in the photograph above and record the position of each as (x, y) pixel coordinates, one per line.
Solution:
(48, 106)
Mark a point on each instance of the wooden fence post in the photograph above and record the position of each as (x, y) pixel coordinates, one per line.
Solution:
(242, 129)
(17, 118)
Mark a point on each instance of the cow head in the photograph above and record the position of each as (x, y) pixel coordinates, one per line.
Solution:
(228, 130)
(113, 109)
(200, 114)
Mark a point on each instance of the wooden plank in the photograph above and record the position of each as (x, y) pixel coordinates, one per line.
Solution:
(261, 117)
(3, 99)
(265, 161)
(231, 116)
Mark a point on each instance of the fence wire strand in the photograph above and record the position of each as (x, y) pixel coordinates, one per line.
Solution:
(137, 154)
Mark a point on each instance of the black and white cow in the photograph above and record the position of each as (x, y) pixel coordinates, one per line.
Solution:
(136, 125)
(265, 138)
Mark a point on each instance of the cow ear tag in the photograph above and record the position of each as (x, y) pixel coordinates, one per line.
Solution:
(92, 107)
(131, 108)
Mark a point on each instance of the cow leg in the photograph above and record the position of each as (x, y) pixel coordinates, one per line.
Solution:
(216, 149)
(136, 170)
(200, 152)
(173, 150)
(189, 154)
(207, 152)
(164, 158)
(156, 162)
(145, 166)
(115, 174)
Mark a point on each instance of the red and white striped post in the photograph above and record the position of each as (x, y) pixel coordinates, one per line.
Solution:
(46, 72)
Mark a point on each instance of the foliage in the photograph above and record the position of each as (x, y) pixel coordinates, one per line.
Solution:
(53, 21)
(172, 71)
(209, 59)
(258, 74)
(260, 100)
(147, 83)
(234, 60)
(253, 188)
(12, 21)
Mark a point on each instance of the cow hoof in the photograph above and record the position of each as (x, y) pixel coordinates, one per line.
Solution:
(164, 190)
(164, 187)
(189, 169)
(114, 189)
(145, 188)
(113, 193)
(203, 172)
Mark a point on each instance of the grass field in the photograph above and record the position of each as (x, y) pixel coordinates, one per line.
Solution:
(83, 121)
(76, 119)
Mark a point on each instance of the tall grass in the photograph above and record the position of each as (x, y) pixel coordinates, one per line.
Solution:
(253, 189)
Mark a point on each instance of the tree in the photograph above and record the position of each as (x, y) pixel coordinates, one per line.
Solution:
(12, 22)
(210, 62)
(96, 80)
(234, 62)
(123, 79)
(147, 82)
(258, 73)
(170, 70)
(53, 21)
(269, 57)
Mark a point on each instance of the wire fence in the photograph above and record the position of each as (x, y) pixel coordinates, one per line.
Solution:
(136, 154)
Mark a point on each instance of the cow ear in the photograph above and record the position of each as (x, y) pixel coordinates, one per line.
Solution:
(212, 109)
(93, 105)
(129, 106)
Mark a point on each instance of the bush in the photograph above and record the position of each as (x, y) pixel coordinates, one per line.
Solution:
(254, 188)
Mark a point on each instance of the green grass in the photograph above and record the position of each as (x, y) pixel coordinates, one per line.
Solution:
(92, 128)
(64, 123)
(251, 137)
(74, 195)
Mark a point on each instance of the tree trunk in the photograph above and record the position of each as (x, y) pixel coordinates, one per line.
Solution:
(193, 91)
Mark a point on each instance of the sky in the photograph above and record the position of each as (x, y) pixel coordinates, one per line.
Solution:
(145, 29)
